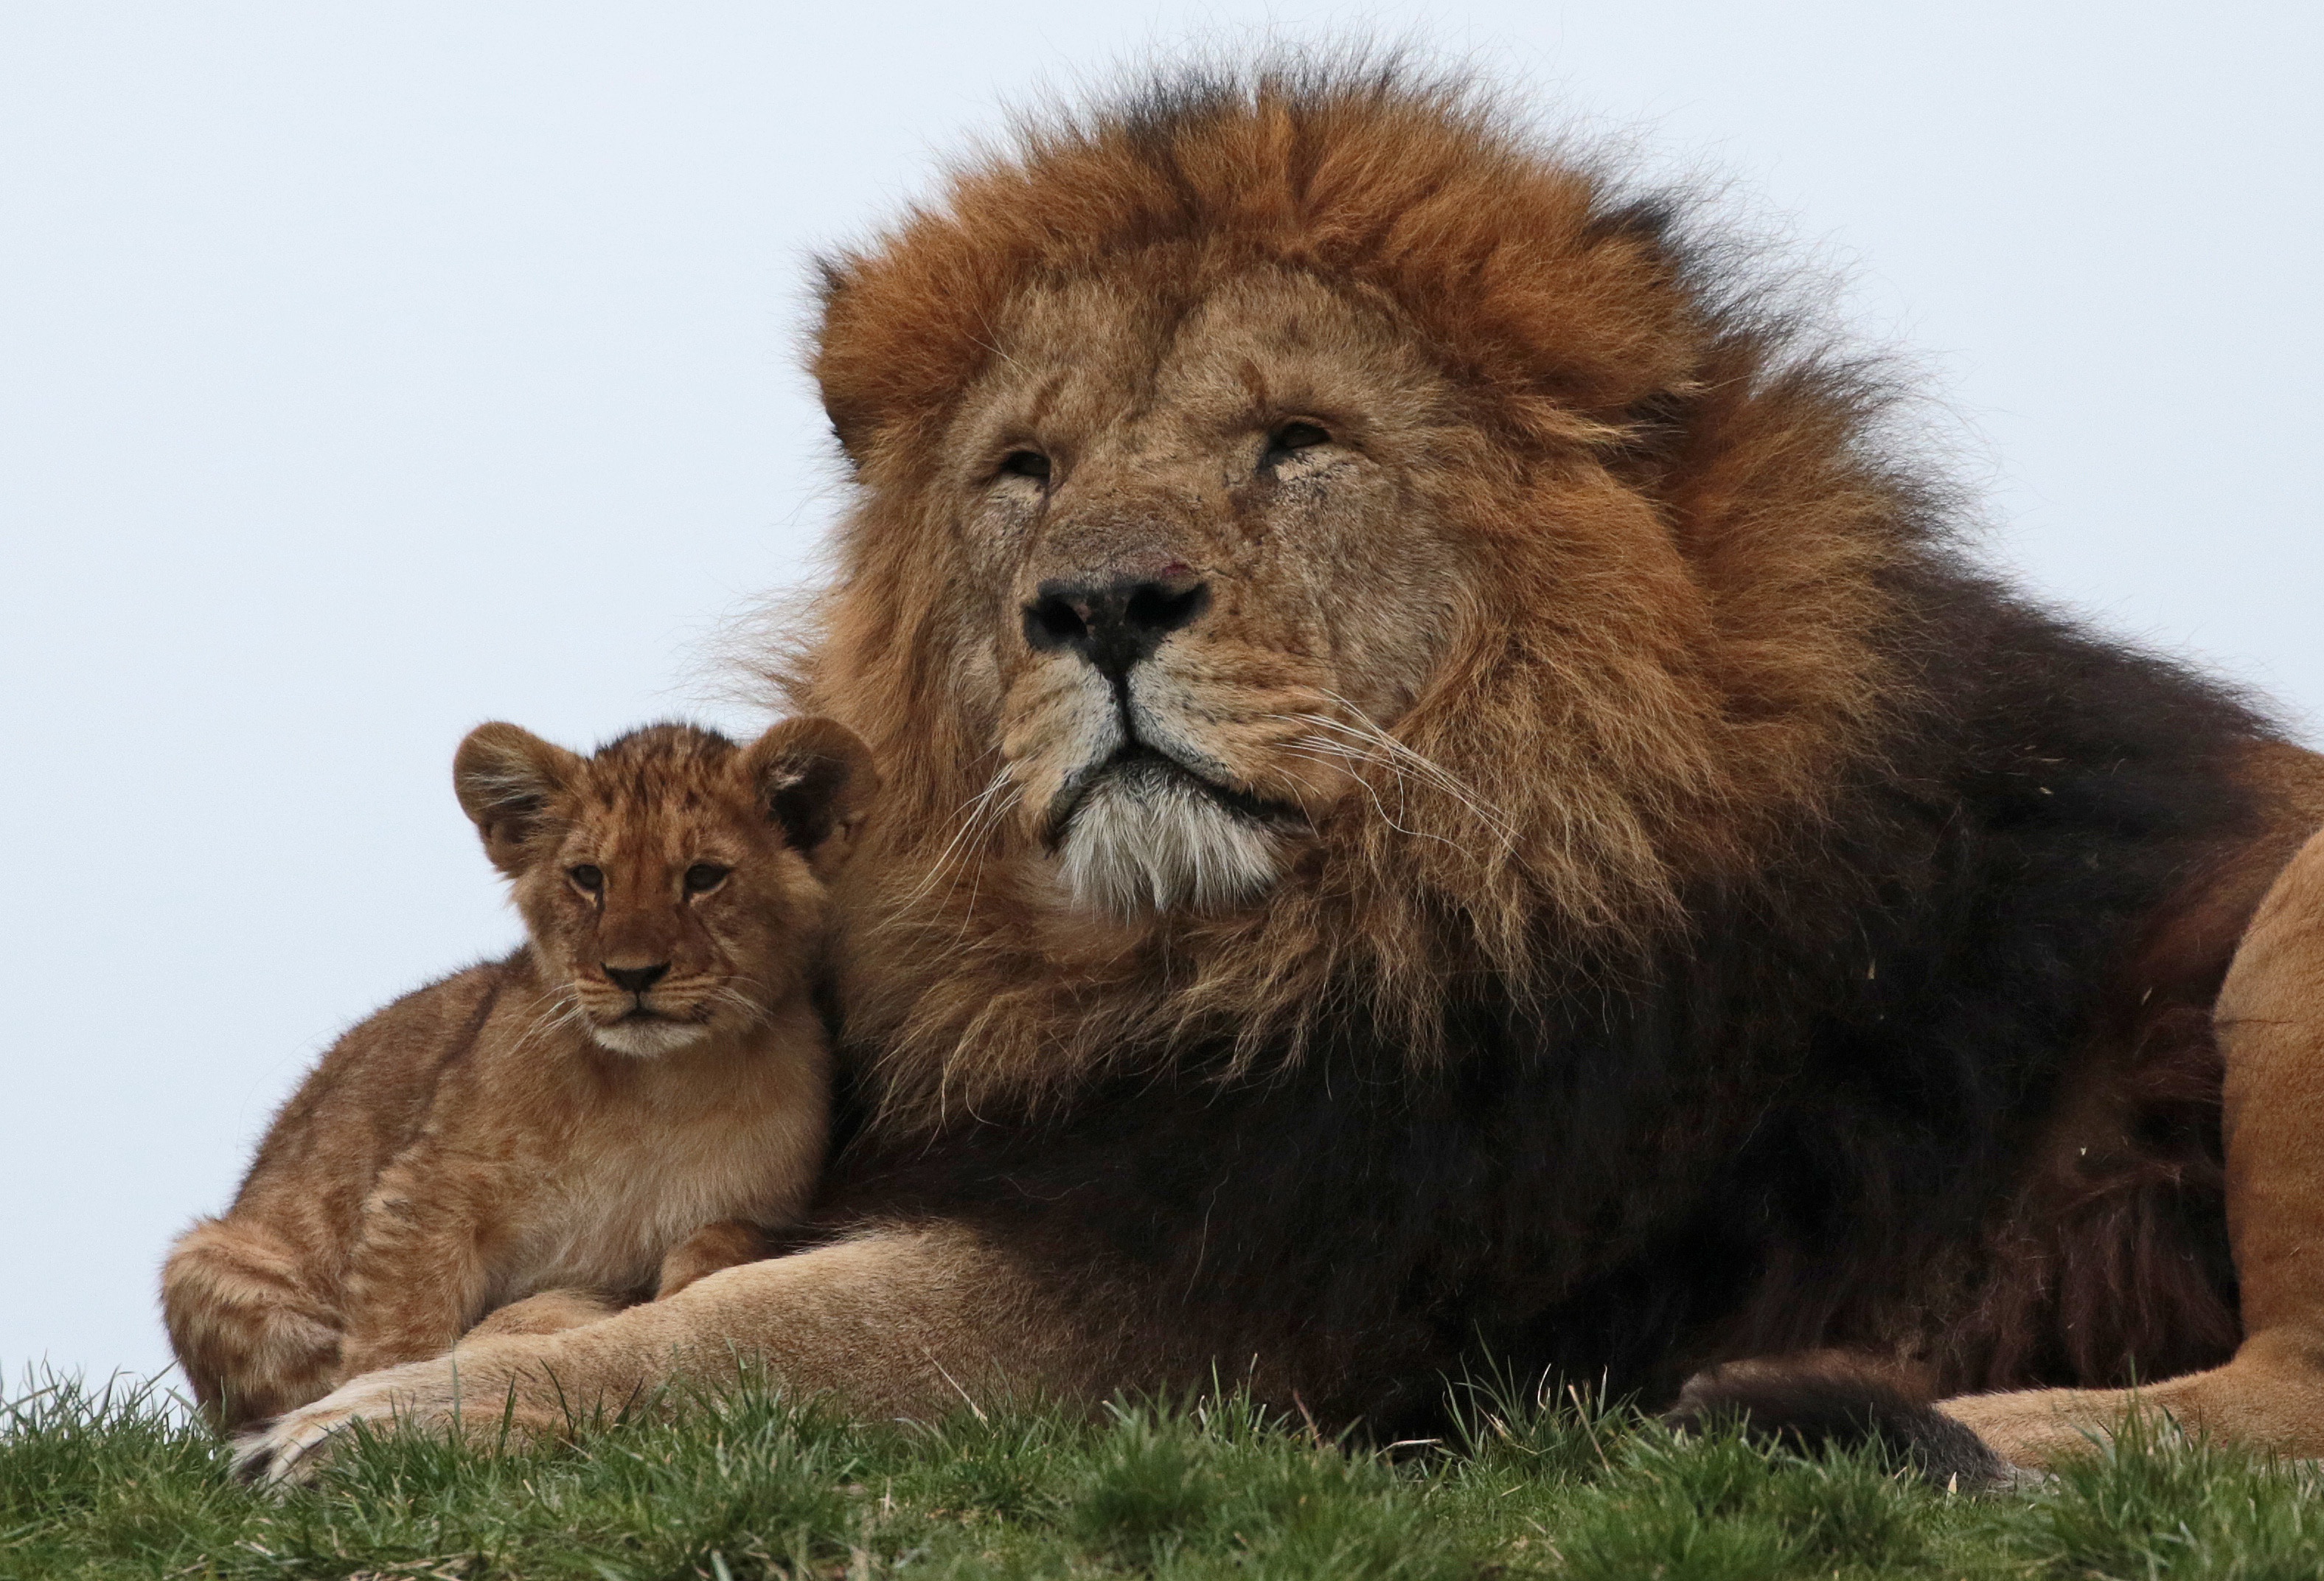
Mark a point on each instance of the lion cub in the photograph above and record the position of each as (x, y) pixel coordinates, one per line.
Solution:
(608, 1113)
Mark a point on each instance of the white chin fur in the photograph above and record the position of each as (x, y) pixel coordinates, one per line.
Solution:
(646, 1039)
(1157, 846)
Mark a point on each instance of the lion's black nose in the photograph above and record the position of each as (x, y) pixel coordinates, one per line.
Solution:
(637, 979)
(1114, 624)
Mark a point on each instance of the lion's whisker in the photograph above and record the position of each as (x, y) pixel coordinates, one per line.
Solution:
(1364, 729)
(1430, 772)
(562, 1006)
(754, 1012)
(976, 874)
(1332, 752)
(1403, 762)
(971, 813)
(986, 819)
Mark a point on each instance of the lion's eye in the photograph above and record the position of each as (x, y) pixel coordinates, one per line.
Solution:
(1294, 436)
(1025, 464)
(704, 876)
(587, 878)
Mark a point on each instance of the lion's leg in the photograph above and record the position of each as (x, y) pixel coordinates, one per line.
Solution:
(2271, 1395)
(901, 1322)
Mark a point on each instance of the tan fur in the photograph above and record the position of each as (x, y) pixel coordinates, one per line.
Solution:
(549, 1312)
(530, 1123)
(2271, 1395)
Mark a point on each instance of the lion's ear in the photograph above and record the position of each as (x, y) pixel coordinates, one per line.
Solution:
(814, 779)
(848, 413)
(506, 779)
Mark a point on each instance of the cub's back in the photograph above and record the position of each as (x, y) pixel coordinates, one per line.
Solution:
(363, 1101)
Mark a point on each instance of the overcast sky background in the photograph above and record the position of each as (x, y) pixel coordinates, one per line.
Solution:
(368, 371)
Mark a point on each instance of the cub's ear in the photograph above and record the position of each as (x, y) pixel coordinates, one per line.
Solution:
(505, 778)
(814, 778)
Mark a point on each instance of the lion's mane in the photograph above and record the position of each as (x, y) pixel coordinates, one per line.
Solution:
(1698, 979)
(1617, 730)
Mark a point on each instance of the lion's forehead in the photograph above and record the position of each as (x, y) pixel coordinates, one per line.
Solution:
(1153, 413)
(1099, 358)
(659, 843)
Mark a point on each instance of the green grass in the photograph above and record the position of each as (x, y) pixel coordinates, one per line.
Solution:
(119, 1484)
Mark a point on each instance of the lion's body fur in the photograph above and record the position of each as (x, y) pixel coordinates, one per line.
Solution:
(1811, 862)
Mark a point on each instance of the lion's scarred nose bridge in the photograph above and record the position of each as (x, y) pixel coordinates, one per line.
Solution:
(1114, 624)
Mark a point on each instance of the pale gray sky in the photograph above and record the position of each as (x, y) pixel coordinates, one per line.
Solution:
(368, 371)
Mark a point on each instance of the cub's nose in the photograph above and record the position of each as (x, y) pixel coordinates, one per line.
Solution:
(1114, 624)
(637, 979)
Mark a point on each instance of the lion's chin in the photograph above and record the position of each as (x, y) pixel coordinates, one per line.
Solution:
(645, 1039)
(1143, 842)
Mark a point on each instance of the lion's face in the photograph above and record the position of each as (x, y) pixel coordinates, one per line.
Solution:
(673, 883)
(1307, 545)
(1207, 569)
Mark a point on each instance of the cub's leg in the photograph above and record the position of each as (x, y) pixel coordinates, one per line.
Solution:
(2271, 1393)
(246, 1324)
(417, 1276)
(725, 1244)
(902, 1322)
(549, 1312)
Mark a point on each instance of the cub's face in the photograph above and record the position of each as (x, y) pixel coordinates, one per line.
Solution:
(673, 883)
(1208, 566)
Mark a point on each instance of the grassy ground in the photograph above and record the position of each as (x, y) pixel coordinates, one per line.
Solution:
(118, 1485)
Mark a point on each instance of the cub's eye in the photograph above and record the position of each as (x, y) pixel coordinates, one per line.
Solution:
(1025, 464)
(704, 876)
(586, 877)
(1294, 436)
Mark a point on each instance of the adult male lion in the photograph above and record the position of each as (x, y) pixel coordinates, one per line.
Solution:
(1448, 803)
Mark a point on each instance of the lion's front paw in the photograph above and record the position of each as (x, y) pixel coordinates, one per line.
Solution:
(289, 1449)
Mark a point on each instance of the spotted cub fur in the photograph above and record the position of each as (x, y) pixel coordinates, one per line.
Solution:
(611, 1113)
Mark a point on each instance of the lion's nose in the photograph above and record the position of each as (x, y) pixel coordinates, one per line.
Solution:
(1114, 624)
(637, 979)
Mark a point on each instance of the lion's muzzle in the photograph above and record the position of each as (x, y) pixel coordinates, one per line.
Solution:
(1147, 820)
